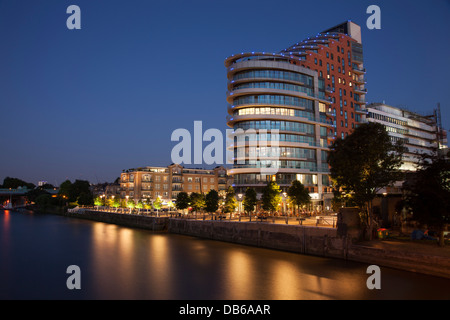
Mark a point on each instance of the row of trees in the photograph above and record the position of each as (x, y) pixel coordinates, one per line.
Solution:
(117, 202)
(270, 200)
(77, 192)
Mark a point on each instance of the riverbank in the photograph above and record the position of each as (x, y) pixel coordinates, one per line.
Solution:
(320, 241)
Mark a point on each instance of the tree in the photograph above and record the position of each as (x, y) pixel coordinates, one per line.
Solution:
(157, 204)
(230, 201)
(212, 201)
(43, 201)
(171, 205)
(197, 201)
(427, 194)
(298, 194)
(65, 190)
(182, 201)
(250, 201)
(85, 199)
(72, 191)
(15, 183)
(271, 197)
(33, 194)
(130, 204)
(98, 201)
(140, 205)
(116, 202)
(362, 164)
(79, 187)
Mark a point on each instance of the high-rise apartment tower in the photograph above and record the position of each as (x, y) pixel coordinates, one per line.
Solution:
(292, 104)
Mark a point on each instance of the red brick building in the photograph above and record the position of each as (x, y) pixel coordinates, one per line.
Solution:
(337, 55)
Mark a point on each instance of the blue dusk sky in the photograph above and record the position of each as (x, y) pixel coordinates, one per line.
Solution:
(86, 104)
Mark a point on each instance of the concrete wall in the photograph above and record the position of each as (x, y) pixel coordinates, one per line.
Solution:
(300, 239)
(126, 220)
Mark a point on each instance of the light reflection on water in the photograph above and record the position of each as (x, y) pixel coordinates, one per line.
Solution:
(124, 263)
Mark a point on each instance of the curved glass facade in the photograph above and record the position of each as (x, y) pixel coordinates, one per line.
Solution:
(275, 74)
(293, 149)
(274, 99)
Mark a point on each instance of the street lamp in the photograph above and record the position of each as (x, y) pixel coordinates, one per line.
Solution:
(240, 205)
(284, 204)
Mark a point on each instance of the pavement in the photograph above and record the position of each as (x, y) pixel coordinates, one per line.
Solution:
(426, 247)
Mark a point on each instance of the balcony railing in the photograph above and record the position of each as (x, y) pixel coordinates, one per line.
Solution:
(360, 90)
(359, 70)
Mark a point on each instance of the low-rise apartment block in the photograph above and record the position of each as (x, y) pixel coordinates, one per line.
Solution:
(149, 183)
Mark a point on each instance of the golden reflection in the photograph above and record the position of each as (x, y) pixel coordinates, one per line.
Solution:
(289, 282)
(113, 243)
(239, 276)
(160, 265)
(285, 281)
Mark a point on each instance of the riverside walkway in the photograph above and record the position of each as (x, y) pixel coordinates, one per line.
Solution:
(318, 220)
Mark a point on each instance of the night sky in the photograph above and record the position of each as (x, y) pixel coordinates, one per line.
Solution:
(86, 104)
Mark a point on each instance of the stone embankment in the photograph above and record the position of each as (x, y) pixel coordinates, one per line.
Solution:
(320, 241)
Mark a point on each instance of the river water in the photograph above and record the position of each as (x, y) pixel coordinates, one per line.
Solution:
(124, 263)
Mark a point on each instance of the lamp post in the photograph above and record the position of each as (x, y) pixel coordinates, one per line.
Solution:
(284, 204)
(240, 205)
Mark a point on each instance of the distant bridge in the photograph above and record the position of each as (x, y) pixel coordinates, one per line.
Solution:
(21, 191)
(17, 196)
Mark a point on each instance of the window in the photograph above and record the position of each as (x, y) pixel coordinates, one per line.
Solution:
(315, 60)
(338, 49)
(328, 54)
(189, 179)
(320, 62)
